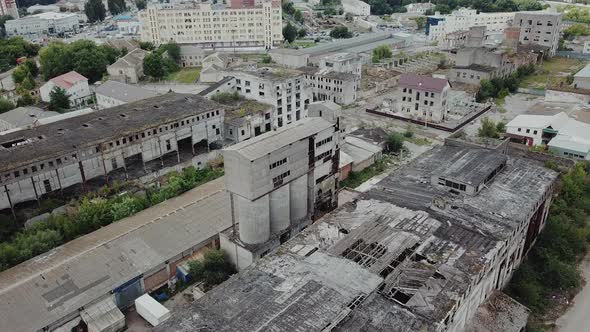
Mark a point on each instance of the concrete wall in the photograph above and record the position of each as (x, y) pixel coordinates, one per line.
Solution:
(566, 97)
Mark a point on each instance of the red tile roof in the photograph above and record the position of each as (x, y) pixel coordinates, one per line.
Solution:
(67, 80)
(422, 82)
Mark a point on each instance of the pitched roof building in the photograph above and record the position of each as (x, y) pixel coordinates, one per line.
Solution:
(128, 69)
(75, 85)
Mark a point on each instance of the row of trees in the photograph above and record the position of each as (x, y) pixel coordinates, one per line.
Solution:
(24, 77)
(290, 33)
(381, 52)
(551, 265)
(96, 11)
(93, 212)
(502, 87)
(83, 56)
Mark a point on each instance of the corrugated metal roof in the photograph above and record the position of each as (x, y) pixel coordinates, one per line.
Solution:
(266, 143)
(48, 287)
(124, 92)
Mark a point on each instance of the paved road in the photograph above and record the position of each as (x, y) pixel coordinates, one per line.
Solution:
(577, 318)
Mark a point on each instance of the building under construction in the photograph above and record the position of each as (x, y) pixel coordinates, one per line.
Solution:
(421, 251)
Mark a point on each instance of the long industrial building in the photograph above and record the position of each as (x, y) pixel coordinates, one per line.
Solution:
(214, 25)
(89, 280)
(421, 251)
(138, 140)
(278, 182)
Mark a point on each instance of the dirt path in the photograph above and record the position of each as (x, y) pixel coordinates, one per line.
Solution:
(577, 318)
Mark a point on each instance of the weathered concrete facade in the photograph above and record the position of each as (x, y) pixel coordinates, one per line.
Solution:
(539, 28)
(128, 141)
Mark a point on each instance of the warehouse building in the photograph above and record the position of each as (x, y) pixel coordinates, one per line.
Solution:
(418, 252)
(89, 280)
(43, 25)
(138, 140)
(278, 183)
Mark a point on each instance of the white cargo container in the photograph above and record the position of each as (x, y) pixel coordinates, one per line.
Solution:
(151, 310)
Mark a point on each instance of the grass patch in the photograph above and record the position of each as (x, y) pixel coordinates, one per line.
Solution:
(355, 179)
(418, 140)
(185, 75)
(556, 66)
(502, 110)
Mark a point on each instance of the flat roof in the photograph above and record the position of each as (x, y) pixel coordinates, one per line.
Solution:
(57, 138)
(389, 261)
(471, 166)
(26, 115)
(268, 142)
(124, 92)
(341, 44)
(584, 72)
(46, 288)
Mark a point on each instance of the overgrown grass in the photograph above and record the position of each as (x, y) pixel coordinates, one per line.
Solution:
(556, 66)
(185, 75)
(355, 179)
(303, 43)
(551, 266)
(93, 212)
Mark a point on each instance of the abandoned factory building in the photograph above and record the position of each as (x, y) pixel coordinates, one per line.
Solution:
(421, 251)
(139, 140)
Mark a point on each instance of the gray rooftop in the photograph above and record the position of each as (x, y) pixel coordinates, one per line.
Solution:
(54, 139)
(24, 116)
(338, 45)
(388, 261)
(123, 92)
(266, 143)
(48, 287)
(471, 166)
(132, 58)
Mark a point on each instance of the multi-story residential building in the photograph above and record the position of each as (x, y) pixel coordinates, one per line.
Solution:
(356, 7)
(128, 69)
(214, 26)
(463, 19)
(75, 85)
(154, 135)
(191, 56)
(43, 25)
(474, 64)
(539, 29)
(278, 182)
(113, 93)
(283, 88)
(422, 97)
(9, 7)
(339, 87)
(419, 8)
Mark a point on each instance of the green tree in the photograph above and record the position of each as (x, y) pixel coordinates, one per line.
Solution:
(141, 4)
(348, 17)
(25, 99)
(55, 60)
(3, 19)
(58, 100)
(20, 73)
(289, 32)
(28, 83)
(301, 33)
(340, 32)
(95, 11)
(32, 67)
(13, 48)
(153, 65)
(116, 6)
(395, 142)
(488, 128)
(420, 22)
(148, 46)
(173, 51)
(576, 30)
(298, 16)
(381, 52)
(380, 7)
(213, 270)
(5, 105)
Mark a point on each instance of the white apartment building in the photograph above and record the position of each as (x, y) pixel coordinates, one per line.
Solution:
(76, 87)
(540, 29)
(423, 97)
(43, 25)
(463, 19)
(278, 181)
(282, 88)
(356, 7)
(214, 26)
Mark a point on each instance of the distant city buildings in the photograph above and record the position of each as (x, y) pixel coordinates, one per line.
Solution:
(419, 8)
(214, 26)
(356, 7)
(43, 25)
(438, 26)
